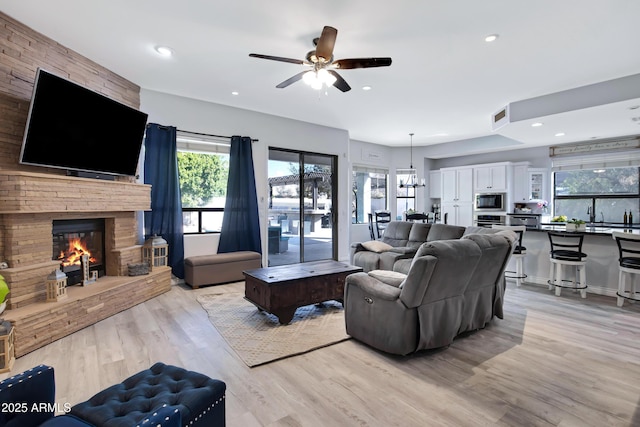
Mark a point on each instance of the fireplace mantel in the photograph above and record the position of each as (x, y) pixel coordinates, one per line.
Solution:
(27, 192)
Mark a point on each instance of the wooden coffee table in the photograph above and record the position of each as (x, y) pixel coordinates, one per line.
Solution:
(281, 290)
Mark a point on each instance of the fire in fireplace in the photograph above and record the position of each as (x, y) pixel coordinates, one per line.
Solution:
(74, 238)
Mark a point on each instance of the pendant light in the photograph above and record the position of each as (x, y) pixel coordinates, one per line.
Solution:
(413, 181)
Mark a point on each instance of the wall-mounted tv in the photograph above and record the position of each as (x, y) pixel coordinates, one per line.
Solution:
(74, 128)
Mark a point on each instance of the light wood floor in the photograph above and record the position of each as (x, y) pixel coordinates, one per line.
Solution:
(559, 361)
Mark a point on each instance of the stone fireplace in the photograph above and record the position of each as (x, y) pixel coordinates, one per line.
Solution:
(43, 211)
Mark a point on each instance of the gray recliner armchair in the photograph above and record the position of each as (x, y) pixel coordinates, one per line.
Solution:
(447, 290)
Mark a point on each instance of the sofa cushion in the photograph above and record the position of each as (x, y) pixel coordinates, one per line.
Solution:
(397, 233)
(376, 246)
(418, 234)
(445, 232)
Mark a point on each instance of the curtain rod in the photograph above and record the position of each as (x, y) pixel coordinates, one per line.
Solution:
(203, 134)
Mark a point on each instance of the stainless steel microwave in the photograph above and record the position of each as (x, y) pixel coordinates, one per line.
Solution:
(491, 202)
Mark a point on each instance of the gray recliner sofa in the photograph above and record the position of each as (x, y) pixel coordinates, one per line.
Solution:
(451, 286)
(401, 240)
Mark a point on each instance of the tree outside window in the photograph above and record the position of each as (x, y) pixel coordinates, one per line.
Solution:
(203, 189)
(604, 194)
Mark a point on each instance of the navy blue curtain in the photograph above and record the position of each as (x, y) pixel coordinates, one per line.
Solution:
(240, 225)
(161, 171)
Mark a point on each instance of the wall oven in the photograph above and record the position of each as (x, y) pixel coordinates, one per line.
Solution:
(490, 202)
(489, 220)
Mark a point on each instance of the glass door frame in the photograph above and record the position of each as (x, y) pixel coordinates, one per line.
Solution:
(332, 216)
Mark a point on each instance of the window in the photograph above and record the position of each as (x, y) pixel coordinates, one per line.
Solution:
(203, 168)
(605, 192)
(406, 196)
(369, 193)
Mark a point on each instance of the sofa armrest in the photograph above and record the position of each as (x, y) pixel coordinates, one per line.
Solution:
(19, 394)
(391, 278)
(372, 286)
(357, 246)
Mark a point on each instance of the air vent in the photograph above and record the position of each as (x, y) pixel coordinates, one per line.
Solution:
(500, 118)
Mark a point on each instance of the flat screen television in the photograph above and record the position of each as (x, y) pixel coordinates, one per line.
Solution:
(74, 128)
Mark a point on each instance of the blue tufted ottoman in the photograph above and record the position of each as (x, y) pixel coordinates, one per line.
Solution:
(199, 398)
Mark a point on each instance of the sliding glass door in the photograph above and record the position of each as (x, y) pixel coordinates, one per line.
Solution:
(302, 199)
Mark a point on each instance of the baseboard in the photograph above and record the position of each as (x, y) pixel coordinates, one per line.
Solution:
(591, 289)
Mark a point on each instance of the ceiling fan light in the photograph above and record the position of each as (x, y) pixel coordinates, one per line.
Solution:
(330, 79)
(317, 84)
(309, 77)
(322, 74)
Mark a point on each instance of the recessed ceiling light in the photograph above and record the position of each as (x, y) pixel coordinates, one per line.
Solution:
(560, 134)
(536, 124)
(164, 50)
(366, 87)
(491, 38)
(235, 93)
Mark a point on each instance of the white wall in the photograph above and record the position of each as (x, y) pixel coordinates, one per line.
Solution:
(272, 131)
(538, 157)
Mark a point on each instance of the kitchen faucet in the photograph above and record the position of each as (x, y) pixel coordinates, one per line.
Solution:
(592, 214)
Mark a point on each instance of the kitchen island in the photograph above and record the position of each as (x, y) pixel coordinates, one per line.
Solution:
(601, 248)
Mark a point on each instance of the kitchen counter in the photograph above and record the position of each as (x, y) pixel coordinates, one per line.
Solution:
(596, 228)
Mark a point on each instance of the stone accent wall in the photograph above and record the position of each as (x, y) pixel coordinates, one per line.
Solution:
(32, 197)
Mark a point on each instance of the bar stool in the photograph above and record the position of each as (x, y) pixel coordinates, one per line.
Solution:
(629, 259)
(519, 252)
(566, 251)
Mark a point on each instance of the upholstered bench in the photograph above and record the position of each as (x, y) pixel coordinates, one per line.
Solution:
(219, 268)
(161, 396)
(199, 399)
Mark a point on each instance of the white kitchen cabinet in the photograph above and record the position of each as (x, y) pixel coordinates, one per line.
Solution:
(457, 185)
(537, 184)
(521, 191)
(491, 178)
(529, 184)
(457, 213)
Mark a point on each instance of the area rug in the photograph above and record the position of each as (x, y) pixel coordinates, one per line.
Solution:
(258, 338)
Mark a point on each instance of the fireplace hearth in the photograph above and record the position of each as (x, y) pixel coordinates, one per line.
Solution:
(74, 238)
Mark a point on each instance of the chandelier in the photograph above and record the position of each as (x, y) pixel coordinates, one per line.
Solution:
(413, 180)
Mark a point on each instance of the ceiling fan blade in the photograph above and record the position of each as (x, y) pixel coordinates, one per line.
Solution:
(340, 83)
(291, 80)
(327, 41)
(346, 64)
(277, 58)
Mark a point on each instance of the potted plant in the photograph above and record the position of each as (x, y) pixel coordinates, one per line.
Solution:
(575, 224)
(4, 291)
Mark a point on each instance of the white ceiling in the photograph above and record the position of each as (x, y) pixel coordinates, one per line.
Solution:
(445, 79)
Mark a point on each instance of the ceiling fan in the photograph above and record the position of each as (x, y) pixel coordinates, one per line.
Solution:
(323, 67)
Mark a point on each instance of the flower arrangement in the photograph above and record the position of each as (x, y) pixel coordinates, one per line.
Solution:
(543, 204)
(559, 218)
(575, 221)
(575, 224)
